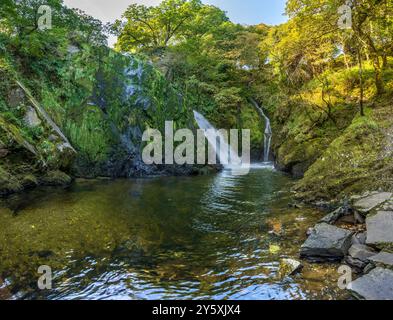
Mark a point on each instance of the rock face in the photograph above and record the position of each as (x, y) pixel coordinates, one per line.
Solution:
(380, 228)
(376, 285)
(326, 242)
(371, 202)
(383, 258)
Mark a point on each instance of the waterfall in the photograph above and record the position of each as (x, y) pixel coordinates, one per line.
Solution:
(226, 155)
(268, 131)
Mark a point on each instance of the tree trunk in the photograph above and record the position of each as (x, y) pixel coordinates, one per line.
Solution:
(384, 61)
(361, 106)
(378, 76)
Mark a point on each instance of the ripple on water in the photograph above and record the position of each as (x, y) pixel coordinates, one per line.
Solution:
(165, 238)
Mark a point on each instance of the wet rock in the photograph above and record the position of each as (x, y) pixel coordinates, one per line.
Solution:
(376, 285)
(326, 242)
(56, 178)
(370, 202)
(380, 229)
(384, 259)
(289, 267)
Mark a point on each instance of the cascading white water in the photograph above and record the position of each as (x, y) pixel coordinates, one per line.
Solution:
(226, 155)
(268, 131)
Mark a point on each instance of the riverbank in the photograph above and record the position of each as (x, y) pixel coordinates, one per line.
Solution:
(358, 234)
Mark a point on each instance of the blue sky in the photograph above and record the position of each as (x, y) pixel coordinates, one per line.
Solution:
(252, 11)
(239, 11)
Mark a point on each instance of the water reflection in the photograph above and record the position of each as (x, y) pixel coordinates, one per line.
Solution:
(164, 238)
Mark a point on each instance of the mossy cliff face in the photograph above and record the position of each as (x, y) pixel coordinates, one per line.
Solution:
(358, 160)
(33, 149)
(87, 122)
(302, 133)
(321, 138)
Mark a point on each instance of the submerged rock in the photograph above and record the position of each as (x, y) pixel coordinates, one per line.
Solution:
(376, 285)
(370, 202)
(289, 267)
(380, 229)
(326, 242)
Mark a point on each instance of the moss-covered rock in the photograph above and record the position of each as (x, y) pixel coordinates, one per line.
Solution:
(56, 178)
(358, 160)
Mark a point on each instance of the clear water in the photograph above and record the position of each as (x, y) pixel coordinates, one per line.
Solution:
(208, 237)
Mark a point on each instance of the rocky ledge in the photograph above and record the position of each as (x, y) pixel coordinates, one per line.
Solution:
(360, 235)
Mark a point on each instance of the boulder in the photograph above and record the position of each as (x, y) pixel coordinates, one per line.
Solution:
(383, 259)
(31, 118)
(326, 242)
(358, 256)
(361, 252)
(289, 267)
(380, 229)
(356, 263)
(333, 217)
(359, 238)
(56, 178)
(370, 202)
(376, 285)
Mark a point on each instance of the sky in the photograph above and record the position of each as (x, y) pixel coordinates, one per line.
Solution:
(239, 11)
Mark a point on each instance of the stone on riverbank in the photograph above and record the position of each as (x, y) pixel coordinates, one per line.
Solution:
(380, 229)
(359, 255)
(361, 252)
(333, 217)
(326, 242)
(376, 285)
(359, 238)
(384, 259)
(370, 202)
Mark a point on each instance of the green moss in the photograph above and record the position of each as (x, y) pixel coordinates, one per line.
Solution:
(353, 162)
(56, 178)
(8, 183)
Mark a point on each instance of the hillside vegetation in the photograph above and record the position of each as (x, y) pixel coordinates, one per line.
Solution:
(72, 107)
